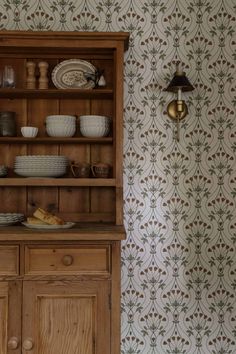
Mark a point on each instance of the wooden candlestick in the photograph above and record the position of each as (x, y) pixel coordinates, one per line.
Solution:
(43, 78)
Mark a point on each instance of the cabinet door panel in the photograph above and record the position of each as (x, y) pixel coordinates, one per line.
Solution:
(3, 317)
(9, 260)
(10, 316)
(65, 317)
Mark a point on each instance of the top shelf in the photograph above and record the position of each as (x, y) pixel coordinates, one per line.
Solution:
(51, 41)
(55, 93)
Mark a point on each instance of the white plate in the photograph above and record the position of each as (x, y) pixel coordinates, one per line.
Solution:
(9, 223)
(41, 157)
(8, 218)
(71, 74)
(39, 173)
(3, 221)
(67, 225)
(11, 215)
(43, 168)
(39, 164)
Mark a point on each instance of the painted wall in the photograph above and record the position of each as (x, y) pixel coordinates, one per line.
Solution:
(179, 273)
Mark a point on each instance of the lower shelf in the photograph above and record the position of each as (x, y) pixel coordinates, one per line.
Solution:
(58, 182)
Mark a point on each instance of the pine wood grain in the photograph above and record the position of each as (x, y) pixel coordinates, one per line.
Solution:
(67, 317)
(9, 260)
(3, 317)
(60, 289)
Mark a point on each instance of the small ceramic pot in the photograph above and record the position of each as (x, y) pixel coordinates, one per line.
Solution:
(80, 170)
(100, 170)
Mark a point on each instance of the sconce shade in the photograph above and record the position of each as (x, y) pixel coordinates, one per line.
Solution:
(179, 81)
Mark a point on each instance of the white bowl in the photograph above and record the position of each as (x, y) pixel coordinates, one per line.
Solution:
(94, 118)
(29, 132)
(97, 125)
(94, 131)
(62, 125)
(60, 118)
(61, 131)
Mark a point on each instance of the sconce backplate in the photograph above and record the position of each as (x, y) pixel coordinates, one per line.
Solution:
(173, 113)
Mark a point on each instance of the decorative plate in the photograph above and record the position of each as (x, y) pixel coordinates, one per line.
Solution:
(7, 219)
(67, 225)
(74, 73)
(9, 223)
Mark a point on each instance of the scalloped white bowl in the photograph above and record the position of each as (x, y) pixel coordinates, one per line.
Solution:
(29, 132)
(60, 118)
(61, 131)
(94, 131)
(94, 118)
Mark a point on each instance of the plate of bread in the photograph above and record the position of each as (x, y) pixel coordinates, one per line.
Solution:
(42, 219)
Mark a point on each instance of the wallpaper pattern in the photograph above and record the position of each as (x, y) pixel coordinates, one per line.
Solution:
(178, 262)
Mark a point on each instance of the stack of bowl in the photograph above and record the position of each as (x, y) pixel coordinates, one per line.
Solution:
(60, 125)
(94, 126)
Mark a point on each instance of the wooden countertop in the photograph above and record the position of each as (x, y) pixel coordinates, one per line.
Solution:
(79, 232)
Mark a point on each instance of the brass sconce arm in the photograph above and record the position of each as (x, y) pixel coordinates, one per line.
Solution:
(177, 109)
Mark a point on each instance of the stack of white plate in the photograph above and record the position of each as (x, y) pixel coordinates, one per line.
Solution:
(40, 165)
(60, 125)
(94, 126)
(10, 218)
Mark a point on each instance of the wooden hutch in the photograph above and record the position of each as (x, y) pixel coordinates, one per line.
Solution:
(60, 289)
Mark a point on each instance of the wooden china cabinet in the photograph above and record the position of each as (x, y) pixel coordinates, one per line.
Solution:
(60, 289)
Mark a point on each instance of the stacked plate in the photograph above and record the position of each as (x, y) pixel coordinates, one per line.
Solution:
(10, 218)
(40, 165)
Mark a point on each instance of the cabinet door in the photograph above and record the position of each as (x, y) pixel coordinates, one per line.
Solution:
(63, 317)
(10, 317)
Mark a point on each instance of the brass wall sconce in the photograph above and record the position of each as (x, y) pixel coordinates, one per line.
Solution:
(177, 109)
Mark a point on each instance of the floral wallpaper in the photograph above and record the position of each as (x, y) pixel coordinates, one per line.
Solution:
(179, 259)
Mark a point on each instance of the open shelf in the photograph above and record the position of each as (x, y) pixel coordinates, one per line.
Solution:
(52, 140)
(81, 231)
(56, 93)
(89, 199)
(57, 182)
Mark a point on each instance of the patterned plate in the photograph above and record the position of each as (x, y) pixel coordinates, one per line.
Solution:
(72, 74)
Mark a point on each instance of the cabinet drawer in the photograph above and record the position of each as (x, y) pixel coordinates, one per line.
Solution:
(9, 260)
(71, 259)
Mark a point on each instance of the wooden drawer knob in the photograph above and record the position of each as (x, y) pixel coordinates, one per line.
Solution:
(67, 260)
(28, 344)
(13, 343)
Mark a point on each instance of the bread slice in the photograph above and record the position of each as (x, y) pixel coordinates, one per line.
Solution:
(35, 221)
(47, 217)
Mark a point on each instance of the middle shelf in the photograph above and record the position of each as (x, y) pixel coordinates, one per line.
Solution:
(58, 182)
(52, 140)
